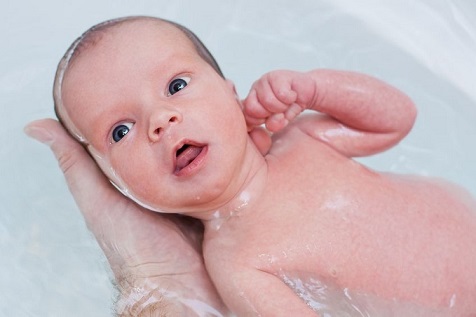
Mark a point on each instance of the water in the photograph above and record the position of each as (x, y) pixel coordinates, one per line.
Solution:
(329, 301)
(50, 264)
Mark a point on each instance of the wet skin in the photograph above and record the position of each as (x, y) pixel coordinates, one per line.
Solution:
(305, 207)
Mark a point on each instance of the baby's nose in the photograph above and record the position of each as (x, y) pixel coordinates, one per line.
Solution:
(162, 120)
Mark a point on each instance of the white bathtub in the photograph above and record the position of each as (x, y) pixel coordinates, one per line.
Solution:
(49, 263)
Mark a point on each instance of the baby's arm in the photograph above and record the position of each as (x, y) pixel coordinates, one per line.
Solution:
(252, 292)
(363, 115)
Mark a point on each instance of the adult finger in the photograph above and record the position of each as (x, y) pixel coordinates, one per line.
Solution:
(85, 180)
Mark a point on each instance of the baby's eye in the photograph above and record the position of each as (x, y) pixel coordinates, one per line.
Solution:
(178, 84)
(120, 131)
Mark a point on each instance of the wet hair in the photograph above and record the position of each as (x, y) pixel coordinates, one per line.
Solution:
(94, 34)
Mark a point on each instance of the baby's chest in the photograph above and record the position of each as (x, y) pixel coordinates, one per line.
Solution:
(294, 235)
(322, 227)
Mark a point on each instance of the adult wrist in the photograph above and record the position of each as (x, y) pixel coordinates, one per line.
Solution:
(151, 301)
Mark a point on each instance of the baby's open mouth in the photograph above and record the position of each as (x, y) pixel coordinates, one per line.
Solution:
(185, 155)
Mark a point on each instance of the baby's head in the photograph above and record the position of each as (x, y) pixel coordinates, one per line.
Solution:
(93, 35)
(150, 103)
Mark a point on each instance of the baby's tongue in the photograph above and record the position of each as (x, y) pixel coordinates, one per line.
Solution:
(187, 156)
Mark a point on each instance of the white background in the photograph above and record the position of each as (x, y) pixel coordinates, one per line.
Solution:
(49, 263)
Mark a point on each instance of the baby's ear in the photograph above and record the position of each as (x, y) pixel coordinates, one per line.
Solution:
(231, 85)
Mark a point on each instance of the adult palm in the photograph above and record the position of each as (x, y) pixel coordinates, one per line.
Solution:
(156, 259)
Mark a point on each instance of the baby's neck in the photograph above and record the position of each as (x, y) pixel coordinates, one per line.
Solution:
(242, 202)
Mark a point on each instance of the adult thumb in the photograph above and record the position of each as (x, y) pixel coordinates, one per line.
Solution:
(85, 180)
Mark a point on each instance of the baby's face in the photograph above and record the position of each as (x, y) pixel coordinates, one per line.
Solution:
(162, 124)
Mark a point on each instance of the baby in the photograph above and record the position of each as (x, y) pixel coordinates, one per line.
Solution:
(149, 102)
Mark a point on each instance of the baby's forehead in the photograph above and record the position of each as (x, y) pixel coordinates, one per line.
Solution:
(143, 30)
(145, 44)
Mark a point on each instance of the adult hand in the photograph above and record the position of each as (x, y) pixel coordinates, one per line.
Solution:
(156, 259)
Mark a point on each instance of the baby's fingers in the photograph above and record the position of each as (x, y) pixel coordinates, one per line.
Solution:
(274, 92)
(276, 122)
(255, 114)
(280, 82)
(253, 108)
(293, 111)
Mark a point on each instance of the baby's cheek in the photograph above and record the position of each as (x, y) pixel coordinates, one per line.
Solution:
(126, 171)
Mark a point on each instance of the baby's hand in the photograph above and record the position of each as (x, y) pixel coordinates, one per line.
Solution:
(277, 98)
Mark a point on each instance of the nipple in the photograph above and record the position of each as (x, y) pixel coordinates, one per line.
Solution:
(333, 272)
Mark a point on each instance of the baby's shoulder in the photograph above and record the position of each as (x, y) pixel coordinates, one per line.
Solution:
(295, 140)
(291, 135)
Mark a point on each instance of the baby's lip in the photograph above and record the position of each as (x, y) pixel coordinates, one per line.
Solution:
(184, 154)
